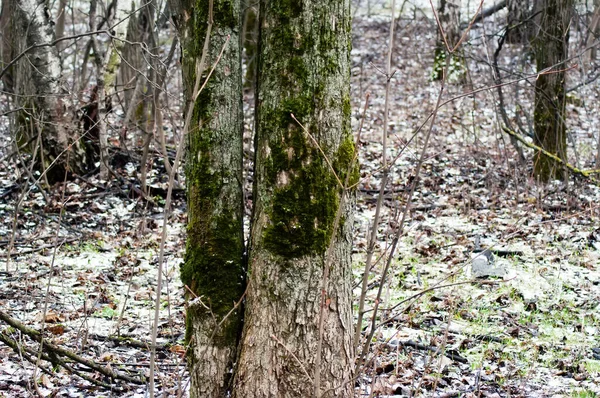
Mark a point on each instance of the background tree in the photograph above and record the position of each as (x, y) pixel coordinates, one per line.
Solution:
(37, 84)
(289, 340)
(592, 35)
(250, 38)
(449, 17)
(213, 261)
(518, 12)
(551, 49)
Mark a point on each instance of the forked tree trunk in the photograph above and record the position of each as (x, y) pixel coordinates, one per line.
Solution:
(212, 268)
(36, 80)
(551, 49)
(303, 70)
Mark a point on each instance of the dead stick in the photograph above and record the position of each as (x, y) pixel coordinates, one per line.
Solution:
(587, 174)
(34, 334)
(56, 361)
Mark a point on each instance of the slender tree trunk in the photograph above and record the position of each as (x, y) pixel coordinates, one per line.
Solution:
(593, 34)
(516, 19)
(551, 49)
(107, 75)
(129, 73)
(213, 266)
(250, 38)
(60, 22)
(8, 47)
(303, 70)
(534, 28)
(449, 17)
(36, 79)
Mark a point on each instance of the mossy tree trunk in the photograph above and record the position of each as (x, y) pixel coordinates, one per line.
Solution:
(303, 69)
(213, 264)
(516, 19)
(449, 17)
(551, 49)
(37, 84)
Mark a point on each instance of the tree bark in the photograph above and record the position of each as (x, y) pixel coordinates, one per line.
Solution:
(592, 34)
(518, 12)
(303, 70)
(449, 19)
(107, 74)
(36, 79)
(213, 265)
(551, 50)
(60, 22)
(129, 73)
(250, 43)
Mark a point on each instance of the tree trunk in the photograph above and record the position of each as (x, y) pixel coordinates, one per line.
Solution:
(133, 55)
(107, 74)
(516, 19)
(213, 265)
(303, 70)
(551, 48)
(593, 34)
(36, 79)
(60, 22)
(449, 18)
(250, 39)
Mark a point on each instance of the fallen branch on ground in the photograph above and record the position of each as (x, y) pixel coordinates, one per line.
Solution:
(587, 174)
(53, 353)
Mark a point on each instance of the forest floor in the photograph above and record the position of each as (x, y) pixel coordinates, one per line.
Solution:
(531, 333)
(534, 331)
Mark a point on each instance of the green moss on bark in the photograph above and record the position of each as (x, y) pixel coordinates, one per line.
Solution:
(212, 266)
(226, 16)
(304, 191)
(212, 269)
(213, 263)
(304, 207)
(345, 155)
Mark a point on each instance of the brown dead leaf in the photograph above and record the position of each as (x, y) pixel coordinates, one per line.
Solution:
(56, 329)
(45, 380)
(178, 349)
(53, 317)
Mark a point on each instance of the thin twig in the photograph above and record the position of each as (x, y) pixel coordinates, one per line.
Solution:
(400, 228)
(314, 141)
(293, 356)
(384, 164)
